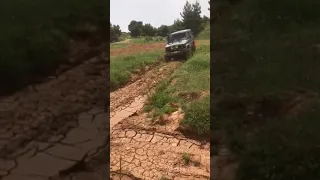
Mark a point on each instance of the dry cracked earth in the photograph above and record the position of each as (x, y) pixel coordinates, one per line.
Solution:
(57, 128)
(140, 149)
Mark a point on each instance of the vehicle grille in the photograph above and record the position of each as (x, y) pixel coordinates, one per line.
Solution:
(174, 48)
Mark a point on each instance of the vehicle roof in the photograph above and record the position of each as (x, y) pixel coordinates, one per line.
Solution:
(181, 31)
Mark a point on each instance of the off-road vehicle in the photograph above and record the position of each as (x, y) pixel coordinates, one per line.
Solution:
(180, 44)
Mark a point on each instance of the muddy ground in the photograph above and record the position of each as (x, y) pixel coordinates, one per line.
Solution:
(59, 130)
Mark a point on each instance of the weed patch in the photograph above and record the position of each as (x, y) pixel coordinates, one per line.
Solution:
(197, 116)
(186, 158)
(161, 101)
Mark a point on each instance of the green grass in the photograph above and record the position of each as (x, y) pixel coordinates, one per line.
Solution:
(35, 35)
(186, 78)
(159, 103)
(186, 158)
(197, 116)
(147, 39)
(118, 45)
(261, 63)
(198, 67)
(122, 67)
(205, 34)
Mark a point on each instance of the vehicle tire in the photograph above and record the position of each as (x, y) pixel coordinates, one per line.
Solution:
(167, 58)
(187, 55)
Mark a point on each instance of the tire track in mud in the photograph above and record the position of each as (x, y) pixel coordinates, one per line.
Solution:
(140, 150)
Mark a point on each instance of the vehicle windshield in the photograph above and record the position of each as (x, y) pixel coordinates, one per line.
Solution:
(177, 37)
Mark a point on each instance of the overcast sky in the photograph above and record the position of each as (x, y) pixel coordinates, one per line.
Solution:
(155, 12)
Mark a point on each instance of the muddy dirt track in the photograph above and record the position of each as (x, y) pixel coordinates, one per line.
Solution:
(144, 150)
(59, 130)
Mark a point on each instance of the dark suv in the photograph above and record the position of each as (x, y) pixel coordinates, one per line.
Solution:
(180, 44)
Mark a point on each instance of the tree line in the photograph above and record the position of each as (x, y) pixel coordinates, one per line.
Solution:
(190, 19)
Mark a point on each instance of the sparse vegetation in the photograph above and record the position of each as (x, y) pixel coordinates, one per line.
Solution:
(265, 57)
(164, 178)
(186, 158)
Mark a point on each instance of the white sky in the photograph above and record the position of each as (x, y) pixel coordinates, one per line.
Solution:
(155, 12)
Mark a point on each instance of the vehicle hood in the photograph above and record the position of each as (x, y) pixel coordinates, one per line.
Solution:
(184, 41)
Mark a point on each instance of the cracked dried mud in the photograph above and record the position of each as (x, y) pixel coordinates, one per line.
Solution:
(57, 127)
(141, 150)
(59, 130)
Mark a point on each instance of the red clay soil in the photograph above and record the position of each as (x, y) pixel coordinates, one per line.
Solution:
(136, 48)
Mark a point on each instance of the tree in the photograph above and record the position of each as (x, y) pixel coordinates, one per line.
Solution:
(205, 19)
(135, 28)
(177, 25)
(115, 33)
(163, 31)
(148, 30)
(191, 17)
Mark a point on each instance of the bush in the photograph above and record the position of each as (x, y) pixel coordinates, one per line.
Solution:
(197, 116)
